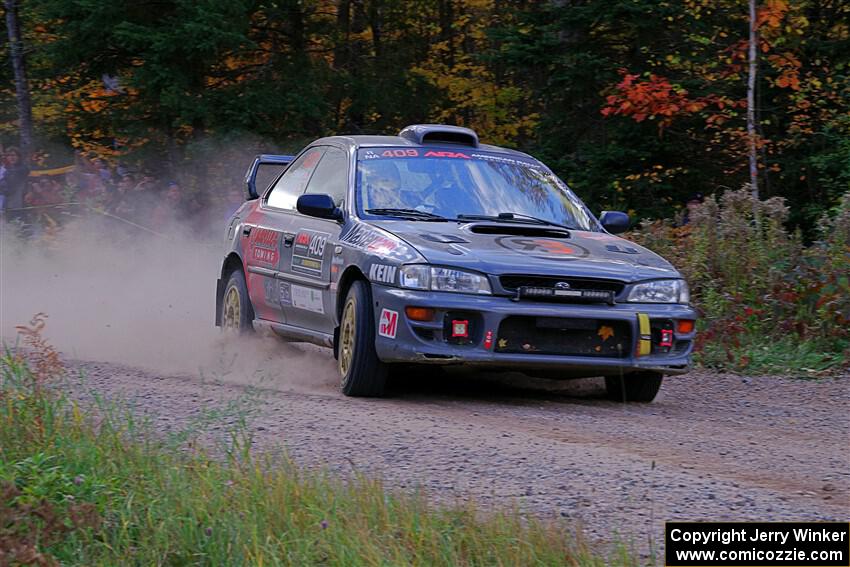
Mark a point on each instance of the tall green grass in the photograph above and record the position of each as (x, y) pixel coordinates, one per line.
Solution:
(83, 487)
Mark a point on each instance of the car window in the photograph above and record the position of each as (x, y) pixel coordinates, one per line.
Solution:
(266, 174)
(449, 182)
(331, 176)
(291, 185)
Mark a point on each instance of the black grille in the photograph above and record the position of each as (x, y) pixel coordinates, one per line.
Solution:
(565, 336)
(513, 281)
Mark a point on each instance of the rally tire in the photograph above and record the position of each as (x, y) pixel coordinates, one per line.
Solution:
(634, 387)
(362, 373)
(237, 313)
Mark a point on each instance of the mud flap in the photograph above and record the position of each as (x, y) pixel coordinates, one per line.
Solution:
(644, 346)
(219, 298)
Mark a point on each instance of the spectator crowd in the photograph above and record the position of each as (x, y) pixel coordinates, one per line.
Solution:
(39, 201)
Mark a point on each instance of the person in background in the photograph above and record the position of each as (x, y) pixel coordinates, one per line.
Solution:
(167, 209)
(120, 199)
(102, 170)
(13, 185)
(44, 192)
(142, 200)
(692, 203)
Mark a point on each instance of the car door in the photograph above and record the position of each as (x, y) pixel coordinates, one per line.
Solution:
(270, 235)
(307, 265)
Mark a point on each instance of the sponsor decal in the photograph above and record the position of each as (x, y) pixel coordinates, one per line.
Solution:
(546, 248)
(284, 293)
(264, 246)
(271, 294)
(311, 158)
(604, 237)
(508, 160)
(488, 340)
(388, 324)
(308, 252)
(605, 332)
(307, 298)
(382, 273)
(336, 265)
(361, 236)
(624, 250)
(446, 154)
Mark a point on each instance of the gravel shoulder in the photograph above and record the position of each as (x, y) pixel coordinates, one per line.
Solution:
(712, 447)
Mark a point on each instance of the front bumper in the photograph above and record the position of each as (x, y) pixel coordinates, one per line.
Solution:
(431, 343)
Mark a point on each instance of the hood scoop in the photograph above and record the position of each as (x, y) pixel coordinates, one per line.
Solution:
(443, 238)
(519, 230)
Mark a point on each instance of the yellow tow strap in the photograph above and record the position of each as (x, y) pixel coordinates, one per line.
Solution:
(55, 171)
(645, 339)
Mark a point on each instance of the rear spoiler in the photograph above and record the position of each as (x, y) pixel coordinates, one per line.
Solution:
(262, 159)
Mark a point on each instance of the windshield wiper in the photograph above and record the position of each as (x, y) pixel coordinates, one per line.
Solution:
(411, 214)
(515, 217)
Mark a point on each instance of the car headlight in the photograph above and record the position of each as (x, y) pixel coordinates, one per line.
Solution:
(660, 291)
(419, 276)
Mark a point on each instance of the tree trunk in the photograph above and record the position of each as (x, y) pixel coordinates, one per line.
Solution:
(446, 18)
(376, 24)
(22, 90)
(751, 89)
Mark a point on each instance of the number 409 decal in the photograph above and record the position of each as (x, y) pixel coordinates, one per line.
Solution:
(400, 153)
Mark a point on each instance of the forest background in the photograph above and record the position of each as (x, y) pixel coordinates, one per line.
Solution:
(639, 105)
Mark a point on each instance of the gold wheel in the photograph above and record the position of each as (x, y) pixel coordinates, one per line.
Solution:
(347, 336)
(232, 315)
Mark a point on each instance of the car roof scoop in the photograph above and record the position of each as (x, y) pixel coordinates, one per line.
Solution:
(440, 134)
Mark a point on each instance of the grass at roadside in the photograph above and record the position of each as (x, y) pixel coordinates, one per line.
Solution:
(768, 302)
(96, 489)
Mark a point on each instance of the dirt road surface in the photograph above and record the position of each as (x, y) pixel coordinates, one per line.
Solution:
(712, 447)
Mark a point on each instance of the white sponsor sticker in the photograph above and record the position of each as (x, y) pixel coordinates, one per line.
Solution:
(382, 273)
(307, 298)
(388, 325)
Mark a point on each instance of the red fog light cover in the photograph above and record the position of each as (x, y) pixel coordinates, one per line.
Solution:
(460, 328)
(666, 338)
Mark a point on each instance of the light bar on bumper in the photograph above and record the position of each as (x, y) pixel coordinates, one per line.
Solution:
(580, 295)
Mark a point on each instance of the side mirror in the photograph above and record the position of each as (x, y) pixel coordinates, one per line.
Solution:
(318, 205)
(614, 222)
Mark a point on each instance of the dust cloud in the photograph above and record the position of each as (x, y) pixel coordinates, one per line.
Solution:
(116, 294)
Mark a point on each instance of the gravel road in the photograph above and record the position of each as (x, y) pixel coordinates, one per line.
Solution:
(712, 447)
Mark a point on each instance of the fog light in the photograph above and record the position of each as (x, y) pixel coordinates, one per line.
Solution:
(685, 326)
(666, 338)
(419, 313)
(460, 328)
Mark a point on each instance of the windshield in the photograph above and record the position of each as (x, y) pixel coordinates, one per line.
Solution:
(457, 182)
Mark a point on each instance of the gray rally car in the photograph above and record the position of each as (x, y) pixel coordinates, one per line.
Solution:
(432, 248)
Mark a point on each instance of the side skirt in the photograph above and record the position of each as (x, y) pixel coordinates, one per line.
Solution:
(296, 334)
